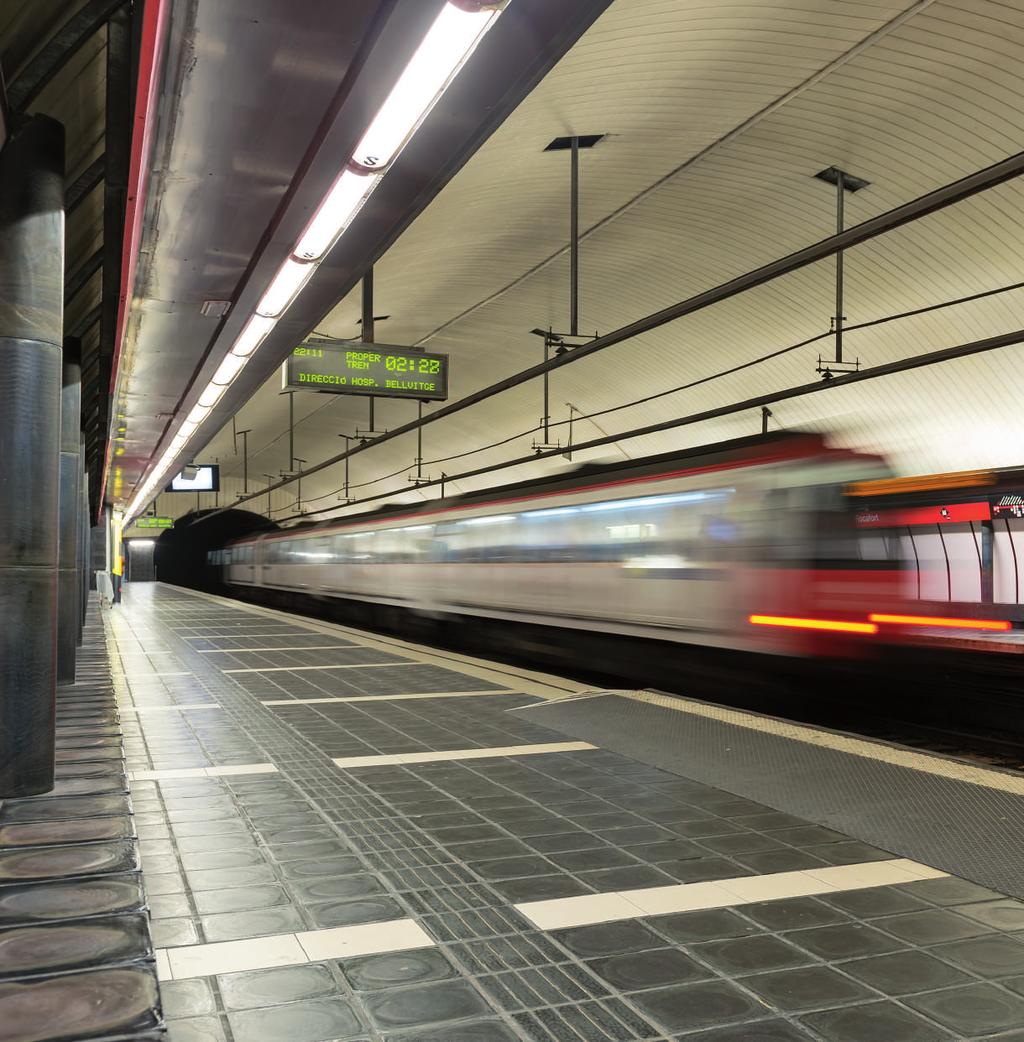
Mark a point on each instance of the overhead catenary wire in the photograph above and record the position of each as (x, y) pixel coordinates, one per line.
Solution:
(886, 369)
(633, 403)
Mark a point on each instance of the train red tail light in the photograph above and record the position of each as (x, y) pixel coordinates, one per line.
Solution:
(829, 625)
(941, 623)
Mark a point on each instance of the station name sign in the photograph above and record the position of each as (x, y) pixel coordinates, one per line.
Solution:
(349, 367)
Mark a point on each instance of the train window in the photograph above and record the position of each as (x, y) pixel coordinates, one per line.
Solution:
(354, 547)
(311, 550)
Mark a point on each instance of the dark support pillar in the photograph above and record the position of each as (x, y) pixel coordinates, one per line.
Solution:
(987, 578)
(31, 321)
(84, 542)
(68, 601)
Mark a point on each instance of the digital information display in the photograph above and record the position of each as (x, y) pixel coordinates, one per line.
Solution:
(154, 522)
(201, 477)
(347, 367)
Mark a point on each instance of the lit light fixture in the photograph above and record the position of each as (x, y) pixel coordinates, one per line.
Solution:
(290, 278)
(831, 625)
(940, 623)
(228, 369)
(445, 48)
(449, 42)
(252, 335)
(335, 213)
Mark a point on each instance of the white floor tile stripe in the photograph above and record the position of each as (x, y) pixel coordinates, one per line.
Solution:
(301, 647)
(203, 772)
(388, 759)
(383, 698)
(157, 709)
(146, 676)
(722, 893)
(303, 669)
(231, 636)
(290, 949)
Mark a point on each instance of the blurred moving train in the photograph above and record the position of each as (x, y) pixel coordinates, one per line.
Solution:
(748, 545)
(775, 544)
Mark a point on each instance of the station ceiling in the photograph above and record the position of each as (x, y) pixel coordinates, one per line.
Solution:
(715, 119)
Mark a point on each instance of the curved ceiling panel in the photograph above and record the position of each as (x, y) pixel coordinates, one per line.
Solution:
(717, 116)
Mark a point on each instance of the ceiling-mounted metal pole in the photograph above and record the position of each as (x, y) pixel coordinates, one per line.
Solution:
(419, 441)
(840, 190)
(291, 430)
(348, 441)
(367, 334)
(765, 413)
(546, 418)
(574, 240)
(245, 459)
(298, 493)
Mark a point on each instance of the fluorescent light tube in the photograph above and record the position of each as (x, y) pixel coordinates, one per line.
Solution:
(448, 43)
(209, 398)
(340, 205)
(252, 335)
(228, 370)
(290, 278)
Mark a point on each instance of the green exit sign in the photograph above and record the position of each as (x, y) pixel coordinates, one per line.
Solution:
(154, 522)
(350, 367)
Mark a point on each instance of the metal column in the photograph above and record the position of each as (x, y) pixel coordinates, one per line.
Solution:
(68, 522)
(31, 332)
(986, 555)
(84, 542)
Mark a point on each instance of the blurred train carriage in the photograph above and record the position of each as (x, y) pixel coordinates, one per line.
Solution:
(959, 542)
(745, 545)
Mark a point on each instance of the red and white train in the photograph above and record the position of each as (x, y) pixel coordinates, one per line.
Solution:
(769, 544)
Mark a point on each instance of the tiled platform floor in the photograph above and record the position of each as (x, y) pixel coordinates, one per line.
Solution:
(76, 958)
(294, 899)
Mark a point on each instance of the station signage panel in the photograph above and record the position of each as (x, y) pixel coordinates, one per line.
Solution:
(954, 513)
(349, 367)
(154, 522)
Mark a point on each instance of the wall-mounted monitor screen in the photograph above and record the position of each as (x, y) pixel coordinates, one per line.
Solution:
(199, 477)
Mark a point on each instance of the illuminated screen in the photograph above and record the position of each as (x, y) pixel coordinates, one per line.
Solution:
(348, 367)
(204, 477)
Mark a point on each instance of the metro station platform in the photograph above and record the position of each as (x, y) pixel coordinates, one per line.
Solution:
(344, 836)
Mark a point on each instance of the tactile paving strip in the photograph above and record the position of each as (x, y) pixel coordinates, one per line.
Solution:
(967, 829)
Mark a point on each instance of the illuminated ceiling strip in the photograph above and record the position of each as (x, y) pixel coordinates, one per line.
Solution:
(443, 51)
(955, 624)
(927, 483)
(831, 625)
